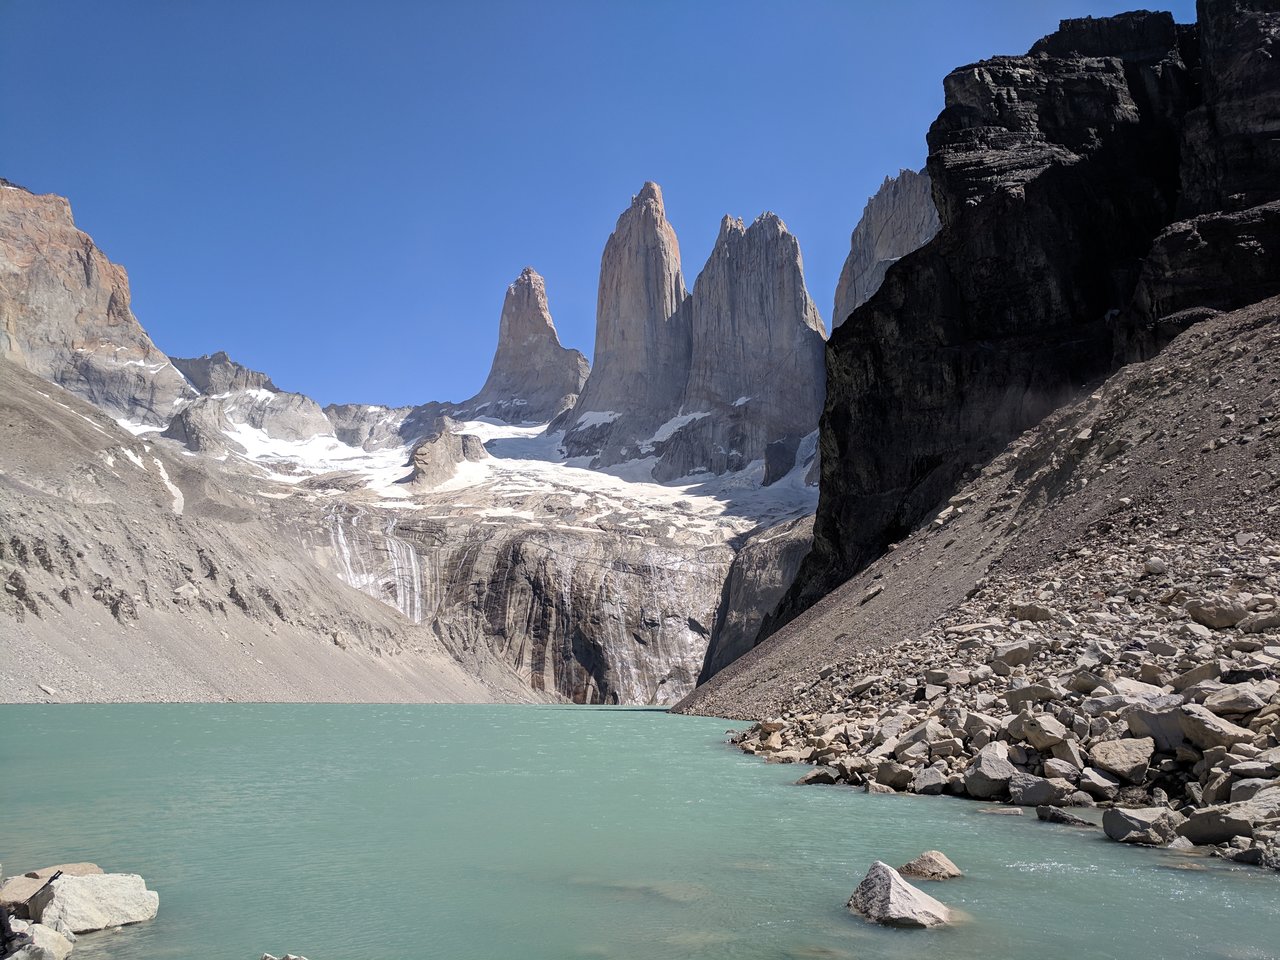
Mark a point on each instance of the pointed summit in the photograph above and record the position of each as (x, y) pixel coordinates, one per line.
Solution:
(641, 352)
(532, 377)
(756, 350)
(650, 191)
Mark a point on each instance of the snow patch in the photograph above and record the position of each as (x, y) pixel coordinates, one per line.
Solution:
(668, 429)
(179, 501)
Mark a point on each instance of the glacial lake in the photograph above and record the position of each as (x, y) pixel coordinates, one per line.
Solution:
(552, 833)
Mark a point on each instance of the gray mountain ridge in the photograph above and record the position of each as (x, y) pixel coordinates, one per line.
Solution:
(584, 584)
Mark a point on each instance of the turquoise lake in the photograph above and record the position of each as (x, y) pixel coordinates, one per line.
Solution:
(485, 833)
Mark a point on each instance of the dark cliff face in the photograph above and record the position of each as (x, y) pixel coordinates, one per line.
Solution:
(1053, 173)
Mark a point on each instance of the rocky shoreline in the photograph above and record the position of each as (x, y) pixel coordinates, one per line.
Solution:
(45, 910)
(1139, 678)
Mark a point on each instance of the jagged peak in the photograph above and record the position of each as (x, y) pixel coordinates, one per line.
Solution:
(769, 219)
(650, 191)
(730, 225)
(528, 277)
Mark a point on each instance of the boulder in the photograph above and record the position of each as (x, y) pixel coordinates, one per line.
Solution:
(1043, 732)
(1027, 790)
(1206, 729)
(1013, 654)
(15, 892)
(1234, 700)
(895, 775)
(1217, 824)
(1248, 788)
(1217, 613)
(884, 897)
(989, 773)
(1151, 826)
(1058, 815)
(1127, 758)
(930, 781)
(1162, 726)
(1099, 785)
(95, 902)
(1031, 693)
(820, 775)
(931, 865)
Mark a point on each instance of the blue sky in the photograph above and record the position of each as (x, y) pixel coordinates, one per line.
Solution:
(339, 193)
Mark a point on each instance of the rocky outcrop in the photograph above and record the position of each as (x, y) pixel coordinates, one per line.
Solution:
(1054, 173)
(233, 397)
(641, 358)
(217, 373)
(64, 313)
(533, 378)
(898, 220)
(756, 371)
(369, 426)
(762, 570)
(1230, 148)
(435, 459)
(733, 375)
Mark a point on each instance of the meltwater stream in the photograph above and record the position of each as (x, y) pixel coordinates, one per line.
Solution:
(484, 833)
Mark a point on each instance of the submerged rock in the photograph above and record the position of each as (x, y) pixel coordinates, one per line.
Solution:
(884, 897)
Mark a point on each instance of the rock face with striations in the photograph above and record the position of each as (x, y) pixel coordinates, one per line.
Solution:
(64, 313)
(641, 357)
(898, 220)
(729, 371)
(1053, 173)
(756, 371)
(533, 377)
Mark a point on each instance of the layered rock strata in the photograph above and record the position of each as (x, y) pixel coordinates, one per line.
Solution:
(1053, 173)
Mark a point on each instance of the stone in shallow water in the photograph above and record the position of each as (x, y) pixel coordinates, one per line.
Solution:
(931, 865)
(884, 897)
(96, 902)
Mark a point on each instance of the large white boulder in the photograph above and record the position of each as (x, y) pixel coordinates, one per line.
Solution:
(95, 902)
(884, 897)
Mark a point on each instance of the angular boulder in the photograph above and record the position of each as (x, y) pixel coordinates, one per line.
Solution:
(1217, 613)
(989, 773)
(1150, 826)
(884, 897)
(1206, 729)
(1099, 785)
(95, 902)
(1027, 790)
(931, 865)
(1127, 759)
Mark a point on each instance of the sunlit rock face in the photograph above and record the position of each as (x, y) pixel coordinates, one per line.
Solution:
(898, 220)
(488, 537)
(64, 313)
(533, 378)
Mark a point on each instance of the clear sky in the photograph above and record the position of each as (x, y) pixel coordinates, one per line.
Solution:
(339, 193)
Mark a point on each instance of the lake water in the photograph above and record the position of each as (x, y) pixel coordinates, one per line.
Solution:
(485, 833)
